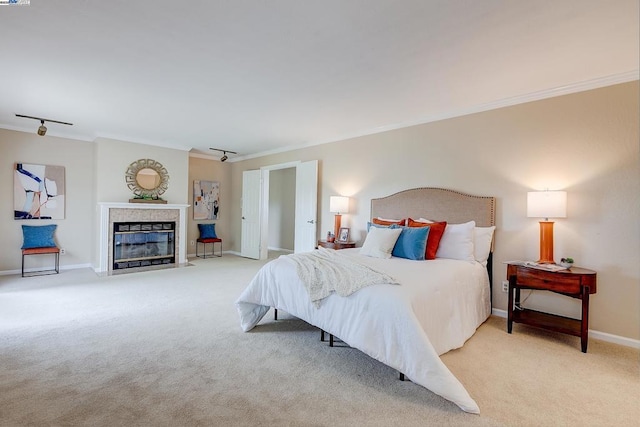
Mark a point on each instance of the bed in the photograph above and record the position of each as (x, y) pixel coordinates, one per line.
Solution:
(429, 308)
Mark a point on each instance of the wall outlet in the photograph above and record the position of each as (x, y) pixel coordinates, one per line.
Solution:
(505, 286)
(193, 242)
(63, 251)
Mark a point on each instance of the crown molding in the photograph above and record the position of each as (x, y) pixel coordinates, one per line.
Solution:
(506, 102)
(204, 156)
(50, 132)
(142, 141)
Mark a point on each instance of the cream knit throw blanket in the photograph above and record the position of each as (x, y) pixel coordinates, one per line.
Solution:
(324, 271)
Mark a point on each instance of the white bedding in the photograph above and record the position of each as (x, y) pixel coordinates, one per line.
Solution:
(437, 307)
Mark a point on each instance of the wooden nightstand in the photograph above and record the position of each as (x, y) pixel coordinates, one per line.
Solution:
(336, 245)
(576, 283)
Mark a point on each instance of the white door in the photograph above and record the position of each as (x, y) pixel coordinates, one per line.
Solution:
(251, 195)
(306, 206)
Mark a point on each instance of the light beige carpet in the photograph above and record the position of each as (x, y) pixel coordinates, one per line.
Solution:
(165, 348)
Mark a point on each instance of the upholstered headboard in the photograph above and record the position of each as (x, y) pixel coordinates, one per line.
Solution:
(439, 204)
(436, 204)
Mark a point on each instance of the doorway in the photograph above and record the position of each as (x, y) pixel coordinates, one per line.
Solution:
(282, 208)
(256, 208)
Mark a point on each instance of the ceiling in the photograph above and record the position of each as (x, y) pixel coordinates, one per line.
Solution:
(256, 76)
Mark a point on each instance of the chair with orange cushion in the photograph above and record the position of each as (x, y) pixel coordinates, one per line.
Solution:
(38, 240)
(208, 235)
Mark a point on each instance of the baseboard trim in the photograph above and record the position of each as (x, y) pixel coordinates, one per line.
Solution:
(616, 339)
(603, 336)
(280, 250)
(30, 270)
(209, 255)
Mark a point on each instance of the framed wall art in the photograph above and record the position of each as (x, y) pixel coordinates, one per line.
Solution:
(206, 200)
(38, 191)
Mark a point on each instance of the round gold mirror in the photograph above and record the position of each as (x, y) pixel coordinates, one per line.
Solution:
(147, 178)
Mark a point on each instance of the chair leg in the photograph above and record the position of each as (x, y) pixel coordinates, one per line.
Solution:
(22, 265)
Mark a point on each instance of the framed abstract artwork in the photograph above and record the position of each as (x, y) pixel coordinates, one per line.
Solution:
(38, 191)
(206, 200)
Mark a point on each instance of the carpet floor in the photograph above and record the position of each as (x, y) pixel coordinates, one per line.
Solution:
(164, 348)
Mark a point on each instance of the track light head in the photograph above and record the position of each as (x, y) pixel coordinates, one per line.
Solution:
(224, 158)
(42, 130)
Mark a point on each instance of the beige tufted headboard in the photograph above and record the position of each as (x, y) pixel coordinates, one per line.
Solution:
(436, 204)
(439, 204)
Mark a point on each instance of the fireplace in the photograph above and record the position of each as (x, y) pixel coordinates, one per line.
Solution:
(143, 244)
(114, 218)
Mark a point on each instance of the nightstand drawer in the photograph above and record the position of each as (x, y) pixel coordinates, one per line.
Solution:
(558, 282)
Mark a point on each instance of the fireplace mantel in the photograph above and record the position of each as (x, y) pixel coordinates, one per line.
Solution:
(106, 223)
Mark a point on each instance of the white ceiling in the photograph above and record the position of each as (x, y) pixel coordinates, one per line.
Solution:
(257, 76)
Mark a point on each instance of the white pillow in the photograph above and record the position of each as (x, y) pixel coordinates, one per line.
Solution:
(457, 242)
(380, 242)
(482, 237)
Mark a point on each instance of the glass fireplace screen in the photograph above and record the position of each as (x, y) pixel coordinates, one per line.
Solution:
(143, 244)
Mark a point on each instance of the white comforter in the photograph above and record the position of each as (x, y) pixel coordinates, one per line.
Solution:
(437, 307)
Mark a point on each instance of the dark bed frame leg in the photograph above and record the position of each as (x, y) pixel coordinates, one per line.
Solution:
(330, 340)
(275, 314)
(401, 376)
(322, 335)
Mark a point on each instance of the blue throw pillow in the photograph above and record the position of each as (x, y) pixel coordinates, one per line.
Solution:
(38, 236)
(412, 243)
(207, 231)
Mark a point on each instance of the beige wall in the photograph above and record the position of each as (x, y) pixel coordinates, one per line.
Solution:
(72, 233)
(114, 157)
(584, 143)
(208, 169)
(94, 172)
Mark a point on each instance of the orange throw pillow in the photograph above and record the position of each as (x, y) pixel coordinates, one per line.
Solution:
(383, 221)
(433, 239)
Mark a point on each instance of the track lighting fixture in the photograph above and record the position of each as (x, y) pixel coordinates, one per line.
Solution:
(224, 153)
(42, 129)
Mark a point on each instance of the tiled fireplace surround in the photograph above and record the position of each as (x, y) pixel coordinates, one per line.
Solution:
(124, 212)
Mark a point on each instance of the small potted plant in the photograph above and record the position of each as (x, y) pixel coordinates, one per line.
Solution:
(566, 262)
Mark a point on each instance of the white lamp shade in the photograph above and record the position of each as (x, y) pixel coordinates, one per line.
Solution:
(339, 204)
(547, 204)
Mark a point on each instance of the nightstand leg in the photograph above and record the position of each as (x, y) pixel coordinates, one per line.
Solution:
(512, 283)
(584, 326)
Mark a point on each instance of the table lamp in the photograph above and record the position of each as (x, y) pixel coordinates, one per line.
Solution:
(546, 204)
(338, 205)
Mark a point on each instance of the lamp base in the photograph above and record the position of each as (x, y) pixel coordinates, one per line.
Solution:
(337, 224)
(546, 243)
